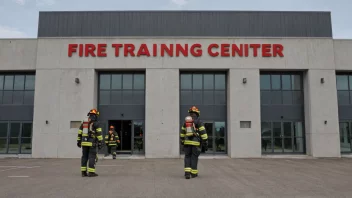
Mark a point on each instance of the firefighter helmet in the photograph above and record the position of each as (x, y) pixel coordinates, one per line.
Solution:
(195, 110)
(94, 112)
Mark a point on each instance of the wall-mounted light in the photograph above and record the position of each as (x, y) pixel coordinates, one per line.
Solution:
(77, 80)
(322, 80)
(325, 122)
(244, 80)
(46, 122)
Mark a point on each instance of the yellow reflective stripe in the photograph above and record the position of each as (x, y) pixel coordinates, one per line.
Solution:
(194, 171)
(91, 170)
(106, 137)
(100, 137)
(194, 143)
(87, 144)
(204, 136)
(112, 144)
(202, 128)
(80, 131)
(85, 135)
(99, 130)
(78, 138)
(182, 135)
(189, 134)
(183, 128)
(83, 168)
(188, 169)
(106, 142)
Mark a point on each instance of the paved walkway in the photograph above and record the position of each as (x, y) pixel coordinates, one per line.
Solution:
(163, 178)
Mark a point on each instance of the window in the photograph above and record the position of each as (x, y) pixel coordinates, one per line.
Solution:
(344, 88)
(17, 89)
(15, 137)
(122, 88)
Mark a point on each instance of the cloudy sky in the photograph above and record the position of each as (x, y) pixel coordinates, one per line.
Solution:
(19, 18)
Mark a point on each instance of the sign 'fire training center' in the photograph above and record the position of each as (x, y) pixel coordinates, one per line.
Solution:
(176, 50)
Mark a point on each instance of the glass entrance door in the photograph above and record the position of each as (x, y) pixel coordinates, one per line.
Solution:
(138, 137)
(124, 131)
(216, 137)
(345, 137)
(15, 137)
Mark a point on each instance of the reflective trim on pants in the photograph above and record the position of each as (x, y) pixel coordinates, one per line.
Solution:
(188, 169)
(194, 171)
(91, 170)
(83, 168)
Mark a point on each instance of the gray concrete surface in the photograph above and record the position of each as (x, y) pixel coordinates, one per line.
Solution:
(164, 178)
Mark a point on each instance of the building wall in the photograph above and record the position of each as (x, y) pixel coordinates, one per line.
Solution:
(60, 100)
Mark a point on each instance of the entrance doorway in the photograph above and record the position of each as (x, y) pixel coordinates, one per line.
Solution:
(345, 137)
(124, 131)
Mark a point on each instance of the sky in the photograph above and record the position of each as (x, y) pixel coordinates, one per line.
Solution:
(19, 18)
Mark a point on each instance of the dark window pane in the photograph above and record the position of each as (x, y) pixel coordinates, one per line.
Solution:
(138, 97)
(138, 129)
(116, 81)
(266, 129)
(18, 97)
(208, 81)
(286, 97)
(26, 130)
(138, 81)
(1, 82)
(267, 145)
(197, 81)
(298, 145)
(276, 97)
(30, 82)
(13, 145)
(298, 129)
(3, 130)
(210, 146)
(116, 97)
(220, 82)
(28, 97)
(275, 82)
(350, 97)
(127, 97)
(8, 83)
(186, 81)
(288, 145)
(7, 98)
(127, 81)
(3, 145)
(287, 129)
(1, 94)
(19, 82)
(343, 97)
(209, 129)
(197, 97)
(342, 82)
(220, 129)
(26, 145)
(186, 98)
(297, 97)
(104, 81)
(265, 82)
(296, 82)
(277, 129)
(350, 82)
(220, 144)
(286, 82)
(220, 97)
(104, 97)
(265, 97)
(278, 145)
(208, 97)
(138, 145)
(15, 129)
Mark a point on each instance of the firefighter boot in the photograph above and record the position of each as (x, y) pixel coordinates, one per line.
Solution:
(114, 155)
(92, 175)
(187, 176)
(84, 174)
(194, 175)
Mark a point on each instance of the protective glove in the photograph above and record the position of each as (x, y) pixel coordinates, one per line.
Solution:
(79, 144)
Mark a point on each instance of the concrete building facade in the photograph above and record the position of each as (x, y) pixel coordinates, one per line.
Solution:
(266, 83)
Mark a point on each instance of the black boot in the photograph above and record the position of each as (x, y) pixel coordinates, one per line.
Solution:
(194, 175)
(187, 176)
(84, 174)
(92, 175)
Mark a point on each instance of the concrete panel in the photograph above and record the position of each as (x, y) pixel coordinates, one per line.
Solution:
(321, 106)
(298, 54)
(342, 53)
(18, 54)
(162, 113)
(244, 105)
(60, 100)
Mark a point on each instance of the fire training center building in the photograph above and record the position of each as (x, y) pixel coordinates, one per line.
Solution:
(266, 83)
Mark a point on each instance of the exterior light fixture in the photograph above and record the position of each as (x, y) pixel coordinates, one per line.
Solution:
(322, 80)
(46, 122)
(77, 80)
(244, 80)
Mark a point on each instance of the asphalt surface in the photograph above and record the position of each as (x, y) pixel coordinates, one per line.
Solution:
(59, 178)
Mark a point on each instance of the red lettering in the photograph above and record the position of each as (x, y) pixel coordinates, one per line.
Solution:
(101, 50)
(155, 48)
(213, 54)
(80, 50)
(143, 50)
(71, 49)
(168, 50)
(235, 50)
(89, 50)
(255, 49)
(246, 50)
(117, 49)
(196, 52)
(128, 49)
(179, 49)
(277, 49)
(266, 50)
(224, 49)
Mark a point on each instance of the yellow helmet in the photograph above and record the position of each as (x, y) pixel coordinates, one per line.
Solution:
(194, 109)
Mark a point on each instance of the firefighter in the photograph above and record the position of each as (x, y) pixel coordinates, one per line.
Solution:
(112, 141)
(193, 142)
(89, 138)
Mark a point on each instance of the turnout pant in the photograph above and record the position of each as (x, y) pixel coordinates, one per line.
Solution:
(191, 158)
(88, 154)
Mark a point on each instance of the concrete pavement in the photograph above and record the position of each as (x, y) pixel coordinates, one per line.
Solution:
(162, 178)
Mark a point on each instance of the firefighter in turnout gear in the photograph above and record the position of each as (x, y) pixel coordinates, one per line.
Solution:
(112, 141)
(89, 138)
(193, 137)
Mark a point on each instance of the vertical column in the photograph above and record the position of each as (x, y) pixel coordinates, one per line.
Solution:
(321, 114)
(244, 105)
(162, 113)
